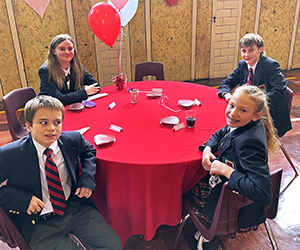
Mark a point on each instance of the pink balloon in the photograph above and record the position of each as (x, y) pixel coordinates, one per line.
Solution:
(128, 11)
(105, 22)
(119, 3)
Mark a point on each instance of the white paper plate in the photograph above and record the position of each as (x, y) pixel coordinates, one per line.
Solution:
(154, 95)
(102, 139)
(186, 104)
(78, 106)
(169, 120)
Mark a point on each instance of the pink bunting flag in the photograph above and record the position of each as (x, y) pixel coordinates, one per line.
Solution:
(38, 6)
(171, 2)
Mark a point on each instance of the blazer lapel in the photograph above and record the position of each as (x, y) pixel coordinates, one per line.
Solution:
(72, 83)
(31, 163)
(245, 73)
(258, 72)
(70, 156)
(226, 141)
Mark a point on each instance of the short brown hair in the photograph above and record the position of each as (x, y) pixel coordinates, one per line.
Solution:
(250, 39)
(42, 101)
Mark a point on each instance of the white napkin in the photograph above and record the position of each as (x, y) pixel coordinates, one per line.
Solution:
(93, 97)
(83, 130)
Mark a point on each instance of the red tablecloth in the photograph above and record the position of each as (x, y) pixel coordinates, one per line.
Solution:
(140, 178)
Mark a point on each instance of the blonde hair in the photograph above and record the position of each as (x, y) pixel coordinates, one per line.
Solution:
(261, 103)
(55, 70)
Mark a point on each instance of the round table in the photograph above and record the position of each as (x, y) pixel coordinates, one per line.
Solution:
(141, 177)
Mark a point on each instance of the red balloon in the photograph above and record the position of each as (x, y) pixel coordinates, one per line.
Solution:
(105, 22)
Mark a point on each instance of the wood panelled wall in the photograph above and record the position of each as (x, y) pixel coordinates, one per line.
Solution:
(157, 32)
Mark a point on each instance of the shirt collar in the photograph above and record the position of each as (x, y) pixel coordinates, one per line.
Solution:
(231, 129)
(40, 148)
(67, 71)
(253, 67)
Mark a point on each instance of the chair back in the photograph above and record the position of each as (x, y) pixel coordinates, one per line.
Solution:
(149, 69)
(13, 101)
(225, 219)
(10, 234)
(272, 209)
(289, 97)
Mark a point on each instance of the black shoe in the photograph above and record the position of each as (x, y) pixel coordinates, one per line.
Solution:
(208, 245)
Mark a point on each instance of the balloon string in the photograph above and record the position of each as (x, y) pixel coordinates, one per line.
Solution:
(120, 49)
(123, 31)
(162, 101)
(121, 17)
(117, 64)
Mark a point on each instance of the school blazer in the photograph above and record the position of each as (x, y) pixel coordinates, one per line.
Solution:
(66, 96)
(245, 149)
(268, 77)
(19, 164)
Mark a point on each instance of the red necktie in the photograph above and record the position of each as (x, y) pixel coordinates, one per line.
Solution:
(56, 192)
(250, 79)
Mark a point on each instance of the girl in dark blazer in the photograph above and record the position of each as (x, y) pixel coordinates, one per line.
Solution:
(242, 147)
(62, 75)
(267, 76)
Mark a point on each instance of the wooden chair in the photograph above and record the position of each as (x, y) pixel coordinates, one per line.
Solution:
(149, 69)
(226, 214)
(13, 101)
(13, 238)
(289, 96)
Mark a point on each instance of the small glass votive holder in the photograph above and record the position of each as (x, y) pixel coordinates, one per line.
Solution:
(190, 116)
(134, 94)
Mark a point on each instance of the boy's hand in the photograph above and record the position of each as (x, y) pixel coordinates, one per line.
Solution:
(83, 192)
(35, 205)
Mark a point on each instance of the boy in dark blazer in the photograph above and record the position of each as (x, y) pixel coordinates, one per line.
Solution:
(267, 76)
(26, 197)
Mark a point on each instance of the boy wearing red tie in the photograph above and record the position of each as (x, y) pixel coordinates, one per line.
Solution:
(47, 196)
(259, 70)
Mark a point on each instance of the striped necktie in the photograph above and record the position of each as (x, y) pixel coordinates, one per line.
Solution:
(250, 79)
(67, 81)
(56, 192)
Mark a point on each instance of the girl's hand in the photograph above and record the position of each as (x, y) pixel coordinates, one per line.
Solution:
(227, 97)
(207, 156)
(92, 89)
(220, 168)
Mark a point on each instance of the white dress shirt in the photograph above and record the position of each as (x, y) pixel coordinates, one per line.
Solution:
(67, 72)
(65, 178)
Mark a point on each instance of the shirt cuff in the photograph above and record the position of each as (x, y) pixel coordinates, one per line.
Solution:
(223, 94)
